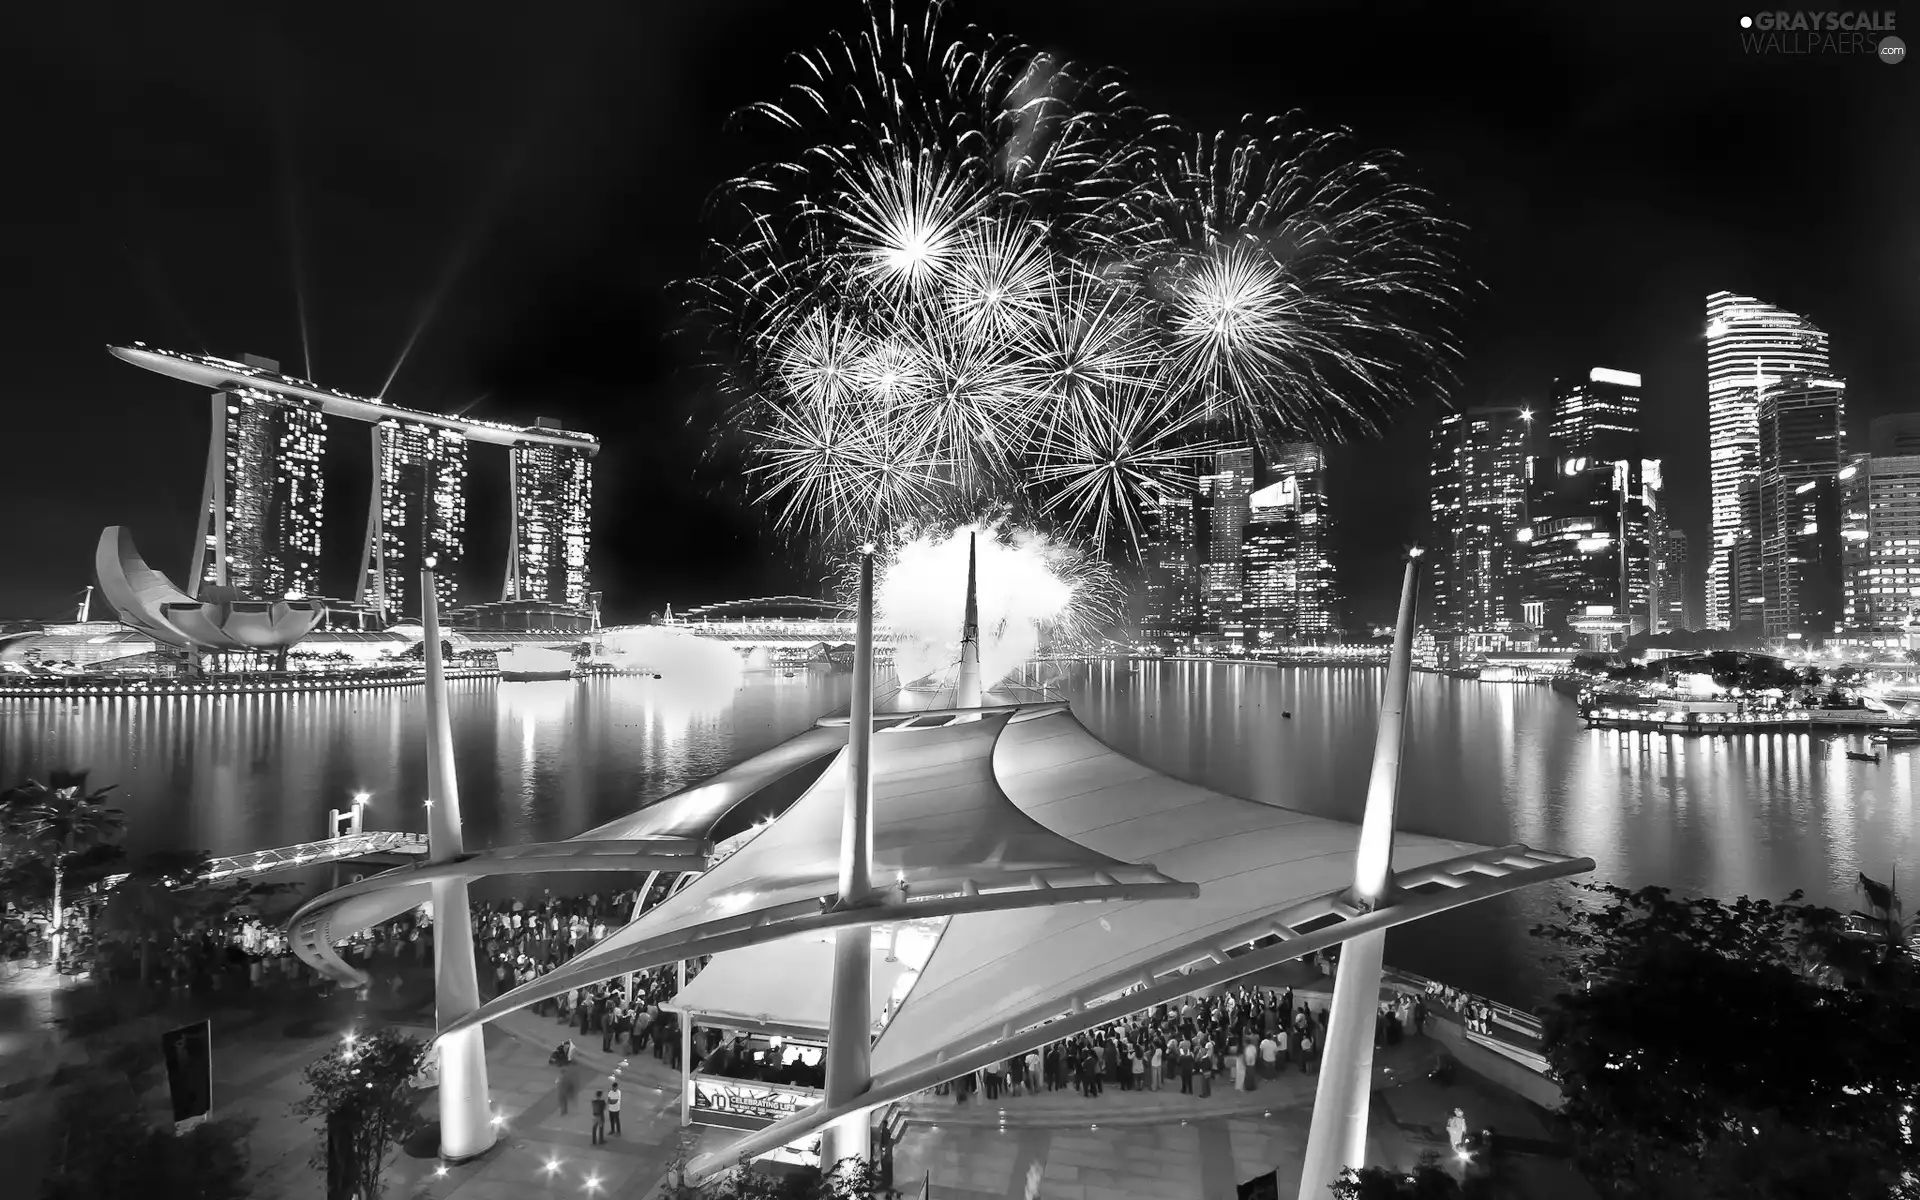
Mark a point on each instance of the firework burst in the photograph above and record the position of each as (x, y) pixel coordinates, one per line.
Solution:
(992, 283)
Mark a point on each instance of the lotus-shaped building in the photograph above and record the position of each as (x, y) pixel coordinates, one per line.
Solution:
(217, 622)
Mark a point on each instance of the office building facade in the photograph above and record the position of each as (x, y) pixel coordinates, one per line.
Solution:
(1225, 492)
(1880, 540)
(1751, 346)
(1597, 416)
(1287, 584)
(1170, 566)
(1800, 420)
(1673, 591)
(1477, 508)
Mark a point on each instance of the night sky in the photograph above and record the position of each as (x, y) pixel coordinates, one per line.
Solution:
(520, 182)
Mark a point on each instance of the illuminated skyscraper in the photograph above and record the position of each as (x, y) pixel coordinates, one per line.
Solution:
(1880, 528)
(552, 498)
(420, 473)
(1598, 416)
(1672, 589)
(1478, 508)
(1751, 346)
(1287, 590)
(261, 510)
(259, 529)
(1170, 567)
(1224, 493)
(1800, 421)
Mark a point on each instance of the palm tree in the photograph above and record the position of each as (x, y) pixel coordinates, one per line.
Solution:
(54, 821)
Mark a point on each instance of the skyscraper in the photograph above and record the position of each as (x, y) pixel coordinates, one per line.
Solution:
(1881, 539)
(1751, 345)
(259, 528)
(1224, 493)
(552, 490)
(1478, 506)
(1672, 589)
(420, 472)
(1170, 566)
(1287, 587)
(1800, 423)
(1598, 416)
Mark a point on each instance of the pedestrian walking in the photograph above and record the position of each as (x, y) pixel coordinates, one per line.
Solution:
(568, 1088)
(599, 1118)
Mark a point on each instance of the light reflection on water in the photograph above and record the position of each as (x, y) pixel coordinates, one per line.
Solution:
(535, 760)
(1760, 814)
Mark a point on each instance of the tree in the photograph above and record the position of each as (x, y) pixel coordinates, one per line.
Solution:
(363, 1094)
(1712, 1050)
(161, 896)
(55, 821)
(850, 1179)
(1428, 1181)
(104, 1149)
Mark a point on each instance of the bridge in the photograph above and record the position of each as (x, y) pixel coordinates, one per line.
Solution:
(379, 843)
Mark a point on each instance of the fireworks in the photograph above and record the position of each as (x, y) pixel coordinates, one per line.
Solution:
(993, 283)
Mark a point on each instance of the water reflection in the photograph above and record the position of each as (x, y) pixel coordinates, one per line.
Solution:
(535, 760)
(1759, 815)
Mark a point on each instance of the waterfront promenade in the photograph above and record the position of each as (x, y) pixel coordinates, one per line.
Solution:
(1139, 1145)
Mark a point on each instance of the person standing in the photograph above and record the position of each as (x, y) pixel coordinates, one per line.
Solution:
(1457, 1129)
(613, 1108)
(1033, 1072)
(599, 1118)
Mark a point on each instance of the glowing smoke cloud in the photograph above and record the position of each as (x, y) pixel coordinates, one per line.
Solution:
(1025, 588)
(697, 675)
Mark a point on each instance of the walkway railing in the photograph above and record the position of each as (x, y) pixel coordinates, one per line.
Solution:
(307, 854)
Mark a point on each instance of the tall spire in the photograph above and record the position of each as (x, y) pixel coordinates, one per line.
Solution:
(1337, 1136)
(466, 1124)
(850, 1015)
(967, 693)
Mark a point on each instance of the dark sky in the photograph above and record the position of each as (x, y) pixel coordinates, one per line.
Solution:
(520, 181)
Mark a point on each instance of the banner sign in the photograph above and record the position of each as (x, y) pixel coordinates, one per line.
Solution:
(761, 1103)
(189, 1054)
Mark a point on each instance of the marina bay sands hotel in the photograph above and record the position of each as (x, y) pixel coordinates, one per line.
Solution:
(260, 508)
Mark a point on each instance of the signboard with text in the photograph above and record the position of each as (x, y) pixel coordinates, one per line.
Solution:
(744, 1103)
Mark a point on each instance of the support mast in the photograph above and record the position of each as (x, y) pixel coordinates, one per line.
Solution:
(1337, 1137)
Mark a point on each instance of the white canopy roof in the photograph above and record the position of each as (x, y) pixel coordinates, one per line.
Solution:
(783, 987)
(1250, 860)
(943, 833)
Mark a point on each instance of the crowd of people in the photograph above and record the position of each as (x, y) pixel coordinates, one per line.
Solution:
(1238, 1036)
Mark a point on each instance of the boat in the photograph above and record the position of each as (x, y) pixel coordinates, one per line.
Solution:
(1897, 735)
(526, 664)
(1863, 756)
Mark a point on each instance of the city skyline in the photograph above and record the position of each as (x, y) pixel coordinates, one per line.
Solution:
(522, 260)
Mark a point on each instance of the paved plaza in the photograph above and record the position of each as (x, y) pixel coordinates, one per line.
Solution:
(1121, 1145)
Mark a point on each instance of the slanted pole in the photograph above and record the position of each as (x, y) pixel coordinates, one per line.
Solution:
(850, 1018)
(1337, 1137)
(967, 693)
(466, 1124)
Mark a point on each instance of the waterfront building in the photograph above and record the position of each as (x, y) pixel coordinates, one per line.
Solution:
(1225, 492)
(1880, 546)
(552, 488)
(260, 503)
(1800, 423)
(1751, 346)
(263, 502)
(1478, 507)
(420, 473)
(1170, 566)
(1287, 588)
